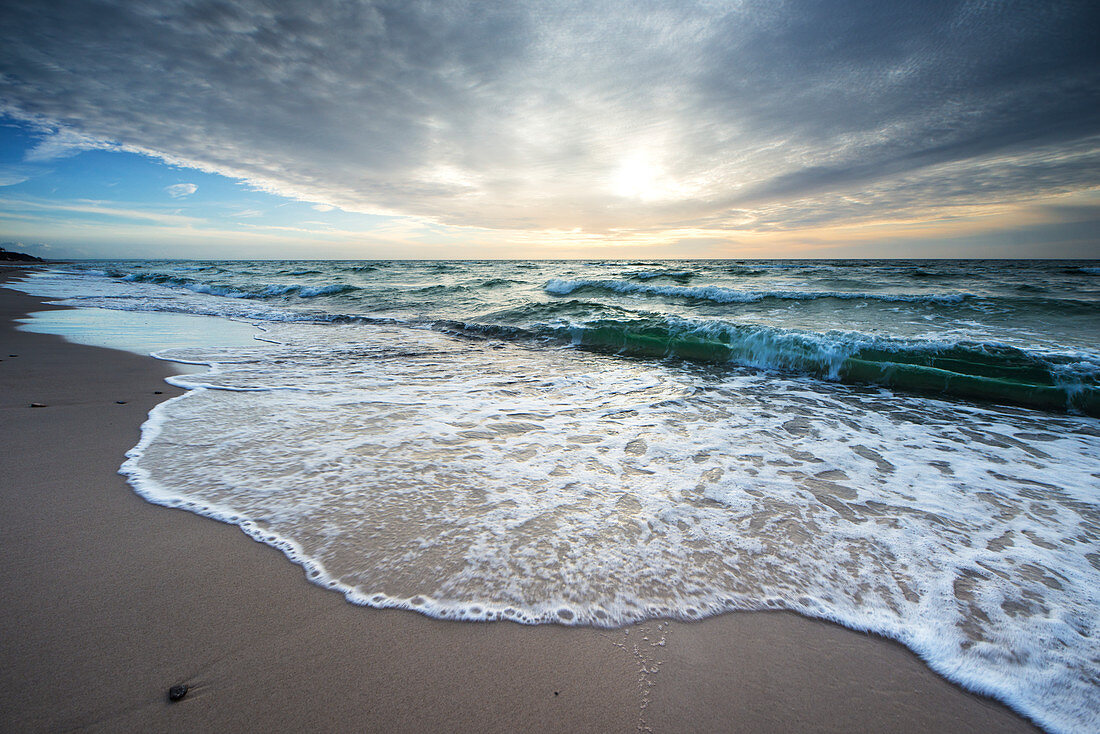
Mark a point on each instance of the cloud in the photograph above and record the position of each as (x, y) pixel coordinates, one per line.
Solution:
(607, 116)
(10, 176)
(323, 207)
(41, 249)
(96, 210)
(61, 142)
(178, 191)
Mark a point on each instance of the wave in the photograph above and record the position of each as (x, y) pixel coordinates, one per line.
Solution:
(745, 270)
(198, 268)
(681, 276)
(261, 292)
(439, 288)
(499, 282)
(740, 267)
(581, 314)
(718, 294)
(299, 272)
(924, 274)
(979, 371)
(334, 289)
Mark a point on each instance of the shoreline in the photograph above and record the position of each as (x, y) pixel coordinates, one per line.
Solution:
(110, 600)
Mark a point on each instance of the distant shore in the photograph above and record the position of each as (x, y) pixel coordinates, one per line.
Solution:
(108, 601)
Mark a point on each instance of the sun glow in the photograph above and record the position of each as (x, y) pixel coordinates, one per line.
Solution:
(639, 176)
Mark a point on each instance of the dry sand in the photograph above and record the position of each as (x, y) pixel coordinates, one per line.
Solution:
(107, 601)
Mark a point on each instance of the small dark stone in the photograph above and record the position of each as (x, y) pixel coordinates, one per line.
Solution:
(121, 402)
(555, 693)
(157, 392)
(38, 405)
(175, 693)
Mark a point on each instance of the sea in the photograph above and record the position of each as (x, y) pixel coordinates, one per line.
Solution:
(909, 448)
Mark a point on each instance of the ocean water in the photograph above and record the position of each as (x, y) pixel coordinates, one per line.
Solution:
(905, 447)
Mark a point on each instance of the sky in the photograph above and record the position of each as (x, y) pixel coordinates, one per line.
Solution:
(337, 129)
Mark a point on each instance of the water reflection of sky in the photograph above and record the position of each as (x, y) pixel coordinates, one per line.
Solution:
(141, 332)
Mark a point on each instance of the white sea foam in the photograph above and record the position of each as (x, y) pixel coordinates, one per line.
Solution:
(409, 469)
(562, 287)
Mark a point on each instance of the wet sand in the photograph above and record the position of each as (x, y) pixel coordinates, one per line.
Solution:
(108, 600)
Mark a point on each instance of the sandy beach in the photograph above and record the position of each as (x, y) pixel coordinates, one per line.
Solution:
(108, 601)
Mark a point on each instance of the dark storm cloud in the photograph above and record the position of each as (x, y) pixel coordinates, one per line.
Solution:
(924, 83)
(598, 115)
